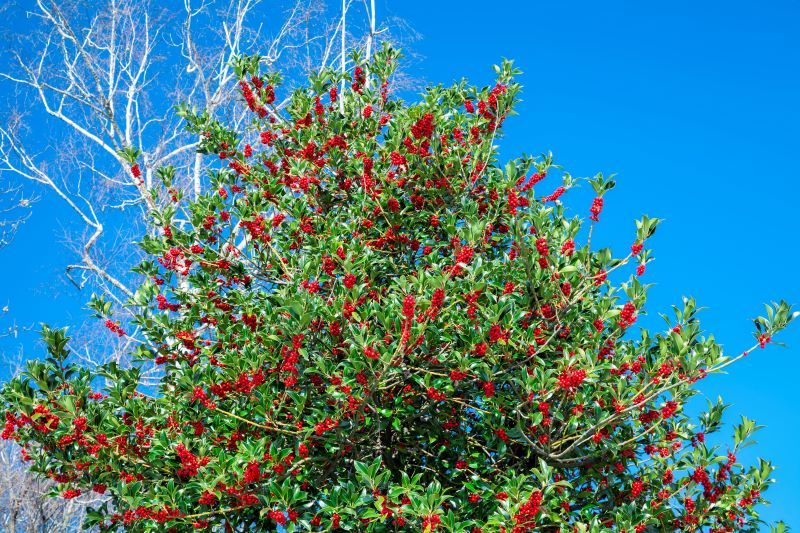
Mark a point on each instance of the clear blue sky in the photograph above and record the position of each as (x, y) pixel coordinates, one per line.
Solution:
(696, 107)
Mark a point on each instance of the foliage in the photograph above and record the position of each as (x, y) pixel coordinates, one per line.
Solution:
(371, 325)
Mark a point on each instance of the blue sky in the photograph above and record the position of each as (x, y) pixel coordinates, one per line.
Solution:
(695, 107)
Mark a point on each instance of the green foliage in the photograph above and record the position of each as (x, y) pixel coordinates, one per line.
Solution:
(369, 324)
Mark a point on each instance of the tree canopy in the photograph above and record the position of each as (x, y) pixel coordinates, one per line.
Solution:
(371, 324)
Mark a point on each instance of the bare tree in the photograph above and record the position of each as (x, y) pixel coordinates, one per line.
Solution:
(25, 504)
(105, 79)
